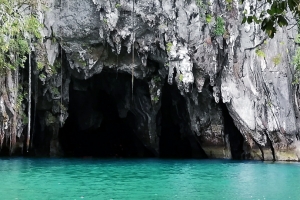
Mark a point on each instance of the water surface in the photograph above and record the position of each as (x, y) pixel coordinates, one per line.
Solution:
(147, 179)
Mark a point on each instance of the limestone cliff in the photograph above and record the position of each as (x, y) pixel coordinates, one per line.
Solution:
(231, 96)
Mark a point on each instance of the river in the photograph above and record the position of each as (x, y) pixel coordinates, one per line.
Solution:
(136, 179)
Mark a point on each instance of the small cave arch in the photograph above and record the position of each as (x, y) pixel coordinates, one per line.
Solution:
(236, 139)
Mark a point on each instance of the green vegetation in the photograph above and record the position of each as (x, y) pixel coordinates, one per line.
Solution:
(269, 103)
(24, 118)
(273, 17)
(118, 5)
(19, 101)
(156, 99)
(40, 66)
(50, 119)
(229, 4)
(57, 64)
(16, 32)
(208, 18)
(276, 59)
(82, 62)
(169, 46)
(203, 7)
(219, 27)
(62, 107)
(42, 77)
(226, 34)
(55, 91)
(297, 39)
(296, 62)
(54, 68)
(156, 79)
(199, 3)
(260, 53)
(20, 98)
(181, 77)
(296, 58)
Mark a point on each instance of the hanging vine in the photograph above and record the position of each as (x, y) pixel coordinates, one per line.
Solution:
(61, 87)
(133, 40)
(17, 29)
(29, 102)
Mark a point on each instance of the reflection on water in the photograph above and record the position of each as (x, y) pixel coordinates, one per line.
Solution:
(147, 179)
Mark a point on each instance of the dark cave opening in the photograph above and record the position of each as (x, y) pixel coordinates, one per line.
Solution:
(235, 137)
(174, 143)
(94, 127)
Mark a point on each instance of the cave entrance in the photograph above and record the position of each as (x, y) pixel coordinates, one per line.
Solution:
(174, 142)
(236, 139)
(94, 127)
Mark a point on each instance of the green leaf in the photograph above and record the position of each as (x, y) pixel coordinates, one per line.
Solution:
(282, 21)
(249, 20)
(292, 5)
(244, 20)
(270, 12)
(257, 21)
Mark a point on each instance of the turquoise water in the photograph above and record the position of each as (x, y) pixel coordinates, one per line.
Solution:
(147, 179)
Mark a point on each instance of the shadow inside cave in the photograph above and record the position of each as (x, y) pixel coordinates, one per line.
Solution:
(98, 127)
(174, 142)
(94, 127)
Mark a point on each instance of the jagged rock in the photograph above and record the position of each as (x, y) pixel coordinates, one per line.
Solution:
(219, 76)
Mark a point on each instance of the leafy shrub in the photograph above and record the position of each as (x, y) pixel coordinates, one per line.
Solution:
(208, 18)
(296, 62)
(16, 31)
(219, 27)
(260, 53)
(181, 77)
(169, 46)
(276, 59)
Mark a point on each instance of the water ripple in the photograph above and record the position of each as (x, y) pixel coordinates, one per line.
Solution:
(147, 179)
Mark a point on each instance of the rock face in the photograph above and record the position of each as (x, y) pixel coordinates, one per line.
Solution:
(186, 86)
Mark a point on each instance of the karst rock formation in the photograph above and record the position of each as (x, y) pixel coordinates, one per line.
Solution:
(159, 75)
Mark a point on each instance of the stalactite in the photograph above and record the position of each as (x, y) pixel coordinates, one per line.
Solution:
(29, 102)
(133, 40)
(61, 87)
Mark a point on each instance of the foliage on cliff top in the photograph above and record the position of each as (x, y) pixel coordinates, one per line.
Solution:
(274, 16)
(17, 26)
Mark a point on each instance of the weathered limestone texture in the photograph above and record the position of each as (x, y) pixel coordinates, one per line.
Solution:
(173, 40)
